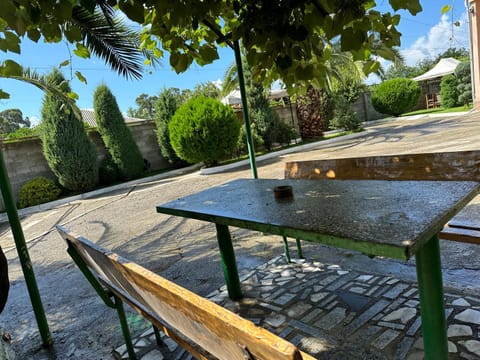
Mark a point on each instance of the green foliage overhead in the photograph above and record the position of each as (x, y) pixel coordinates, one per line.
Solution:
(396, 96)
(288, 40)
(203, 129)
(38, 191)
(67, 148)
(449, 91)
(115, 134)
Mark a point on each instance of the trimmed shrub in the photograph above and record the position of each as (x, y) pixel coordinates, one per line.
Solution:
(108, 172)
(38, 191)
(165, 106)
(203, 129)
(242, 147)
(396, 96)
(116, 135)
(448, 91)
(345, 118)
(69, 152)
(464, 83)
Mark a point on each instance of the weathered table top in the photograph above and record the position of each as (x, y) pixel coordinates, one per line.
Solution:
(384, 218)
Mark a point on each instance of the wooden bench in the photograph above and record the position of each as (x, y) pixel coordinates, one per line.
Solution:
(457, 165)
(203, 328)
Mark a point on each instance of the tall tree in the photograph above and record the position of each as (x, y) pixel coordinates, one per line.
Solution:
(167, 103)
(146, 107)
(67, 148)
(115, 134)
(12, 120)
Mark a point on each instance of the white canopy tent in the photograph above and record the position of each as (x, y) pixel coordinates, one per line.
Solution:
(444, 67)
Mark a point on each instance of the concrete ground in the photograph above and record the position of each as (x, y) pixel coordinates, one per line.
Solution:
(185, 251)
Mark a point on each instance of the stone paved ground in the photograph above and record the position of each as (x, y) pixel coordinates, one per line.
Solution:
(335, 313)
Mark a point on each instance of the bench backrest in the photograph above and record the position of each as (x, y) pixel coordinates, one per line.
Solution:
(214, 329)
(457, 165)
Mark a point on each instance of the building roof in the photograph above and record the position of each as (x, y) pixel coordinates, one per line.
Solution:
(88, 116)
(234, 97)
(444, 67)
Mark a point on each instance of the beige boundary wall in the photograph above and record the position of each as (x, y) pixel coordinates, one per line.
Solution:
(24, 159)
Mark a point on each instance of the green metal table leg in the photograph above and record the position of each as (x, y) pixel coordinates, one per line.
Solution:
(23, 255)
(299, 248)
(286, 250)
(432, 306)
(229, 263)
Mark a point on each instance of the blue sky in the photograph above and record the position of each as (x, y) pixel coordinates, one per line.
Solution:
(424, 35)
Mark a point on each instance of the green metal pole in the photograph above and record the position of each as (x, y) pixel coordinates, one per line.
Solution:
(229, 263)
(23, 255)
(432, 307)
(246, 119)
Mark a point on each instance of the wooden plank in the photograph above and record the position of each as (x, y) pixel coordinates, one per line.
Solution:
(220, 332)
(460, 235)
(457, 165)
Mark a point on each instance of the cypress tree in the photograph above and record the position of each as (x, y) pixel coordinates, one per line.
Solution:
(165, 106)
(116, 135)
(70, 153)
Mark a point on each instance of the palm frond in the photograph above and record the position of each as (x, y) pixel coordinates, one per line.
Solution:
(230, 80)
(115, 43)
(40, 81)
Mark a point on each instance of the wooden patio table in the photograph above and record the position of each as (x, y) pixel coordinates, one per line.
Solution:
(395, 219)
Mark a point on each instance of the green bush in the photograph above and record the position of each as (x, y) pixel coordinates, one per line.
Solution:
(464, 83)
(448, 91)
(108, 172)
(165, 106)
(38, 191)
(20, 133)
(242, 147)
(345, 118)
(69, 152)
(396, 96)
(284, 133)
(116, 135)
(203, 129)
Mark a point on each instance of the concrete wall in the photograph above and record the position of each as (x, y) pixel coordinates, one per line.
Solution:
(24, 159)
(364, 108)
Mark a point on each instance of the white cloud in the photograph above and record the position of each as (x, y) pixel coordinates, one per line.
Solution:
(34, 121)
(440, 37)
